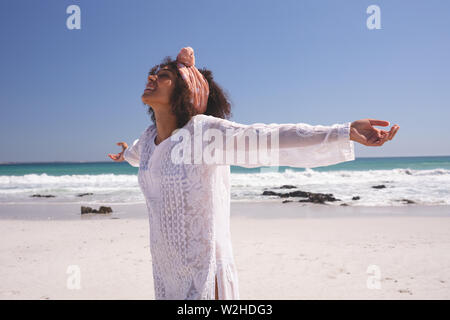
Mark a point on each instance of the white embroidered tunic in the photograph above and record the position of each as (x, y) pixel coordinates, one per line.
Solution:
(189, 203)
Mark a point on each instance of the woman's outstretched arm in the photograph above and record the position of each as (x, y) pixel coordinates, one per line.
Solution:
(291, 144)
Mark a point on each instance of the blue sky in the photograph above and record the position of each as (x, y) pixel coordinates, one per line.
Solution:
(69, 95)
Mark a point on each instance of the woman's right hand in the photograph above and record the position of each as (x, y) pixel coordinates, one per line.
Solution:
(119, 157)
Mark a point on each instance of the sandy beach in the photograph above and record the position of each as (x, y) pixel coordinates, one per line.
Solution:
(282, 251)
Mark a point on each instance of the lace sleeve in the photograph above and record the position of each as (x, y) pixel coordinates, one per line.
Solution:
(132, 154)
(259, 144)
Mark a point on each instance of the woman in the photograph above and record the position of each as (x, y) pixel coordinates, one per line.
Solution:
(189, 201)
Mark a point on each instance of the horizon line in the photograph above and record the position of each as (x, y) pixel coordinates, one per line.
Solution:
(110, 161)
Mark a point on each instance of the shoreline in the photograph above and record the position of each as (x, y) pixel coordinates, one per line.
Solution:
(270, 209)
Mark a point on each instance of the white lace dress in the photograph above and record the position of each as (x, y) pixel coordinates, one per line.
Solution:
(189, 204)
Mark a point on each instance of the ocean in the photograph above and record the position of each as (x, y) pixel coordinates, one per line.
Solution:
(423, 180)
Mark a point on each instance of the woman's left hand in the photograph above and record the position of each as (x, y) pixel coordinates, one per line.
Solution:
(362, 131)
(119, 157)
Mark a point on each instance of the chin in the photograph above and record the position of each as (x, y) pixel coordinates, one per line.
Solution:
(145, 99)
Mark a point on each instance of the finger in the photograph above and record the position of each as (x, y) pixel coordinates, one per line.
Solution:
(382, 134)
(379, 122)
(392, 132)
(381, 140)
(379, 134)
(384, 139)
(395, 132)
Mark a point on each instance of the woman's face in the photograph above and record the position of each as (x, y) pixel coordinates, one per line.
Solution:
(159, 88)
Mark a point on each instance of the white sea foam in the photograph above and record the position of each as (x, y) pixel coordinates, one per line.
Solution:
(427, 187)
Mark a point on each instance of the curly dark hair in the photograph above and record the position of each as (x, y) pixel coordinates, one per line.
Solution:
(218, 100)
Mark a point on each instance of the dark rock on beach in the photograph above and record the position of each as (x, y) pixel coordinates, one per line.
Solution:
(104, 210)
(297, 193)
(285, 201)
(302, 194)
(43, 196)
(311, 196)
(85, 210)
(344, 204)
(84, 194)
(380, 186)
(319, 198)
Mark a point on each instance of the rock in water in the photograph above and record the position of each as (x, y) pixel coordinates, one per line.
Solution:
(270, 193)
(380, 186)
(287, 186)
(407, 201)
(356, 198)
(85, 194)
(42, 196)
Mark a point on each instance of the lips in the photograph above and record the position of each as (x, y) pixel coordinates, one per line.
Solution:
(150, 87)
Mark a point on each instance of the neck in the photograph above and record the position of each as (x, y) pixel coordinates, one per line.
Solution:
(166, 123)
